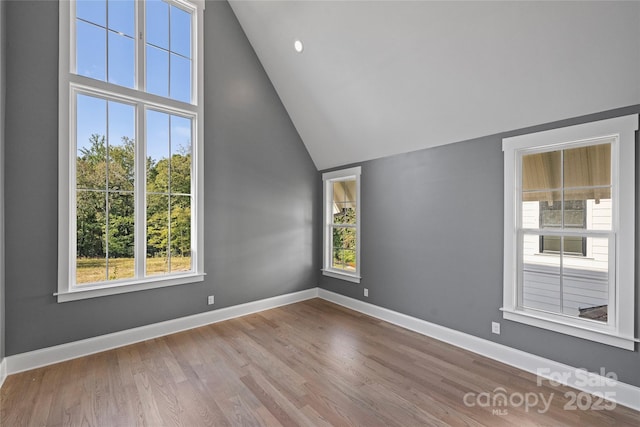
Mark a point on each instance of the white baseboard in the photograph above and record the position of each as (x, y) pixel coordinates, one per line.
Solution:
(3, 371)
(47, 356)
(623, 394)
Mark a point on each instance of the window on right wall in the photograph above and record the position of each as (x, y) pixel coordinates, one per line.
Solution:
(569, 231)
(342, 224)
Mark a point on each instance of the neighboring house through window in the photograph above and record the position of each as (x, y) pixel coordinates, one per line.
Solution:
(342, 224)
(130, 146)
(569, 230)
(575, 216)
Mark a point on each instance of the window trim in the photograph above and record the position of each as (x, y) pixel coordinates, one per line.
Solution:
(68, 85)
(620, 330)
(327, 196)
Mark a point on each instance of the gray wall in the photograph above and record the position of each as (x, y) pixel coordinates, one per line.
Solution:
(260, 190)
(432, 239)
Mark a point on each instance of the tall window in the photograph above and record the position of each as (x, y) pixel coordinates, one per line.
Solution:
(569, 230)
(342, 224)
(130, 145)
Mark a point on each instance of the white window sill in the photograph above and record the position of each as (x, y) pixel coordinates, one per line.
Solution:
(349, 277)
(609, 337)
(88, 291)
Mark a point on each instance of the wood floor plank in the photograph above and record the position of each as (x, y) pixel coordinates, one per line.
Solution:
(268, 401)
(312, 363)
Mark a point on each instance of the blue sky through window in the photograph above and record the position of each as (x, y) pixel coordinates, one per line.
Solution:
(122, 17)
(92, 11)
(167, 134)
(96, 115)
(157, 135)
(158, 23)
(105, 50)
(91, 118)
(168, 50)
(105, 45)
(91, 50)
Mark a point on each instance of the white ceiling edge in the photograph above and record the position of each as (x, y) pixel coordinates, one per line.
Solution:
(378, 78)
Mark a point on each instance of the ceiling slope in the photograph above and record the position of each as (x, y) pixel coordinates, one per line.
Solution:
(377, 78)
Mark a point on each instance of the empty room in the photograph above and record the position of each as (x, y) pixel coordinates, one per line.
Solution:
(319, 213)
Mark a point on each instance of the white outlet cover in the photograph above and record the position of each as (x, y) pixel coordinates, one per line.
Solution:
(495, 327)
(366, 292)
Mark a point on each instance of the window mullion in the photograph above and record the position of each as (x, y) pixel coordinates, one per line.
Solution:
(613, 285)
(72, 38)
(106, 195)
(518, 298)
(106, 41)
(195, 61)
(140, 241)
(328, 253)
(140, 48)
(169, 79)
(169, 183)
(562, 238)
(72, 188)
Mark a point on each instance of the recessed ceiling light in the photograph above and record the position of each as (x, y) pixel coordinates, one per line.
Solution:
(297, 45)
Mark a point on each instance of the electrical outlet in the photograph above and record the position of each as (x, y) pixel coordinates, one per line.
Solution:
(495, 327)
(210, 300)
(366, 292)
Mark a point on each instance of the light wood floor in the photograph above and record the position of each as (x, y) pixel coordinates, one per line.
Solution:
(310, 363)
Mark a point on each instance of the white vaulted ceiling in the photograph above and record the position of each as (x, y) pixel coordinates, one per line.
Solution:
(378, 78)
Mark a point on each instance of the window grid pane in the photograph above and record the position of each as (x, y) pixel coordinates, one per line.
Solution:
(122, 17)
(168, 51)
(121, 232)
(344, 248)
(121, 59)
(91, 260)
(105, 202)
(157, 234)
(92, 11)
(344, 202)
(566, 191)
(91, 50)
(105, 43)
(157, 22)
(180, 227)
(157, 71)
(180, 32)
(168, 188)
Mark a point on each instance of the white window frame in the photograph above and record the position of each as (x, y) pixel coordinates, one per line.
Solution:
(619, 330)
(70, 84)
(328, 179)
